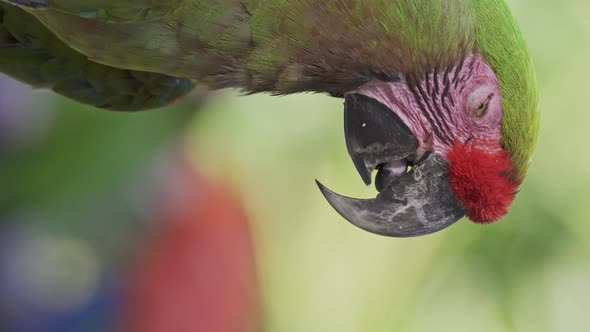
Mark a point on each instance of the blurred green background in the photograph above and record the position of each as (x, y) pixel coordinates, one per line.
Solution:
(81, 173)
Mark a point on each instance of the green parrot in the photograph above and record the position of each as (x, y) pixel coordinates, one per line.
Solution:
(440, 96)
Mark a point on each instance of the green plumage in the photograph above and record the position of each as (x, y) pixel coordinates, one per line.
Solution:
(501, 42)
(33, 54)
(287, 46)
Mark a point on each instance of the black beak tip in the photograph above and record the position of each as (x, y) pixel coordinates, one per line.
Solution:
(365, 172)
(320, 185)
(325, 191)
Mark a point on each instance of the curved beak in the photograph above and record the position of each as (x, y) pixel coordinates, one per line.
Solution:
(412, 203)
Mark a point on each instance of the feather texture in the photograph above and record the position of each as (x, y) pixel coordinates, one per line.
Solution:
(289, 46)
(33, 54)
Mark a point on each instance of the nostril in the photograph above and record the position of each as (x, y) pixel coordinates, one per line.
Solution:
(388, 172)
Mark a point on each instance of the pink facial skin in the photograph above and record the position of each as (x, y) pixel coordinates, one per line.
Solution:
(461, 104)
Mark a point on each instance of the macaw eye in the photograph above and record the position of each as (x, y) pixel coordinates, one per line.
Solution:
(481, 110)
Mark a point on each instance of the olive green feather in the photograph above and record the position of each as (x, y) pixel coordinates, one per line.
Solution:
(279, 46)
(288, 46)
(501, 42)
(107, 10)
(33, 54)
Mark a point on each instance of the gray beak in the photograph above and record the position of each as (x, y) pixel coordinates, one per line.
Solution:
(410, 203)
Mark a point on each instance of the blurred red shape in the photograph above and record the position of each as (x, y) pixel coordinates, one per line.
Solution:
(197, 271)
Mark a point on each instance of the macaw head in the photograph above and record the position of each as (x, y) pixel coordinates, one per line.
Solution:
(447, 141)
(436, 144)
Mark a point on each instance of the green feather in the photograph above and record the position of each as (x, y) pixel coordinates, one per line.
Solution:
(288, 46)
(500, 40)
(107, 10)
(279, 46)
(32, 54)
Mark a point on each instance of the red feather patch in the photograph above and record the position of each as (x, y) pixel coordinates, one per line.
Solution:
(482, 181)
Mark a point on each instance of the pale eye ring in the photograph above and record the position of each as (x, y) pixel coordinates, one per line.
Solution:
(482, 109)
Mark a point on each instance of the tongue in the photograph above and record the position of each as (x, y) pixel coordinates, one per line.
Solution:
(389, 172)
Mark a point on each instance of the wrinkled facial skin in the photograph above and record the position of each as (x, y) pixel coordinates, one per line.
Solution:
(461, 103)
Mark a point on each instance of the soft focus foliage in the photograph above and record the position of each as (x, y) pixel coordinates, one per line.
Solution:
(88, 187)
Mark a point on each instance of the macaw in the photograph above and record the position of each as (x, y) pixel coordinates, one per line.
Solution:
(440, 97)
